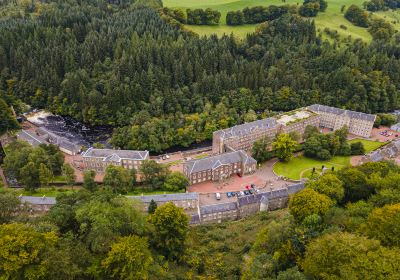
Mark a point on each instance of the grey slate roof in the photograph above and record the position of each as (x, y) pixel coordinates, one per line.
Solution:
(213, 162)
(65, 144)
(396, 127)
(37, 200)
(194, 219)
(116, 155)
(166, 197)
(246, 128)
(337, 111)
(376, 156)
(249, 199)
(215, 208)
(31, 138)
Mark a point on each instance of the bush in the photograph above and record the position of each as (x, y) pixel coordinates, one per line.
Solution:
(357, 148)
(357, 16)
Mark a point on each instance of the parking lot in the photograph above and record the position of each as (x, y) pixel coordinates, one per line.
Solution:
(224, 197)
(384, 134)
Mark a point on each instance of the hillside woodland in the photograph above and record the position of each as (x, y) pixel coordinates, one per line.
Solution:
(133, 67)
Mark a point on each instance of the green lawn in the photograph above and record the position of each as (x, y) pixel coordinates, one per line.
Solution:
(332, 18)
(298, 165)
(368, 144)
(54, 192)
(49, 192)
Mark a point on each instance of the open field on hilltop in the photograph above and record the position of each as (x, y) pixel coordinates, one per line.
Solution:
(301, 166)
(332, 18)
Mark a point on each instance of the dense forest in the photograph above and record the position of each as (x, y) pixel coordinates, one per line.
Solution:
(343, 225)
(123, 64)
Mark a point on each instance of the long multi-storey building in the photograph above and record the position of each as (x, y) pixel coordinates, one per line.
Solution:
(219, 167)
(242, 137)
(359, 124)
(99, 159)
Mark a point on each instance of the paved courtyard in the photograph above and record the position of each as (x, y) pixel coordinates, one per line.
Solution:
(263, 178)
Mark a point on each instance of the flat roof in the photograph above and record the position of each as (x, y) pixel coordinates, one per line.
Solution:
(294, 116)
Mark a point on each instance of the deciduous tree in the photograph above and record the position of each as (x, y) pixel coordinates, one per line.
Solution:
(284, 146)
(384, 224)
(171, 226)
(22, 251)
(129, 258)
(308, 202)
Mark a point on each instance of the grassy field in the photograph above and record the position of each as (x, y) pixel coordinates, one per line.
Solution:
(301, 166)
(368, 144)
(298, 166)
(332, 18)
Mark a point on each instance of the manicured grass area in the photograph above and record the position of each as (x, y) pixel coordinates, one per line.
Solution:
(332, 18)
(201, 156)
(301, 164)
(49, 192)
(368, 144)
(140, 191)
(54, 192)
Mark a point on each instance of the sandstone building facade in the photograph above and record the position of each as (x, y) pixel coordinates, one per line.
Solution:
(219, 167)
(359, 124)
(243, 136)
(99, 159)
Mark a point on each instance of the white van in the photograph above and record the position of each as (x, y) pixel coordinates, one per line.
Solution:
(218, 196)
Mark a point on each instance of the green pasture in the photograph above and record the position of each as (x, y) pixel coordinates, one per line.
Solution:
(332, 18)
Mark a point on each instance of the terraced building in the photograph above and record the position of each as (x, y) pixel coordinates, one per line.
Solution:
(359, 124)
(242, 137)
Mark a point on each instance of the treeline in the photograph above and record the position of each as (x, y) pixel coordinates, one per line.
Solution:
(325, 146)
(256, 14)
(381, 5)
(310, 8)
(339, 223)
(105, 66)
(34, 167)
(203, 17)
(379, 28)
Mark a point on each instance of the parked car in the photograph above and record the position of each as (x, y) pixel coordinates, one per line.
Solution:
(167, 156)
(241, 193)
(229, 194)
(238, 194)
(251, 191)
(246, 192)
(218, 196)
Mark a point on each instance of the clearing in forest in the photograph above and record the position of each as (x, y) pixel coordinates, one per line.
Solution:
(332, 18)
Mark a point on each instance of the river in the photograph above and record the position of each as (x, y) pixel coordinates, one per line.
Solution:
(83, 134)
